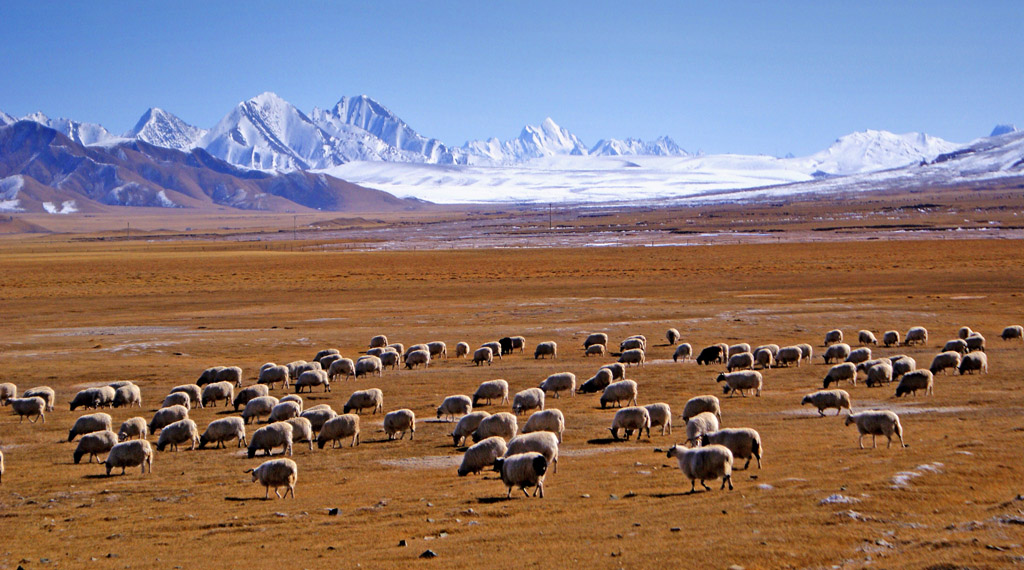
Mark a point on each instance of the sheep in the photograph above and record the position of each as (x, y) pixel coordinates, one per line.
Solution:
(248, 393)
(844, 371)
(194, 392)
(672, 335)
(371, 398)
(807, 351)
(437, 349)
(283, 411)
(311, 378)
(128, 396)
(547, 348)
(833, 336)
(700, 424)
(297, 368)
(90, 423)
(44, 392)
(630, 419)
(302, 430)
(256, 407)
(341, 366)
(388, 359)
(166, 416)
(501, 424)
(129, 454)
(866, 337)
(771, 347)
(400, 421)
(739, 349)
(273, 375)
(483, 354)
(461, 350)
(542, 442)
(704, 463)
(598, 382)
(519, 342)
(632, 344)
(222, 430)
(559, 382)
(414, 348)
(276, 473)
(902, 365)
(273, 435)
(177, 433)
(633, 356)
(891, 338)
(292, 398)
(944, 361)
(318, 417)
(836, 353)
(29, 407)
(916, 380)
(345, 425)
(964, 332)
(378, 341)
(523, 470)
(788, 355)
(763, 358)
(490, 390)
(859, 355)
(466, 426)
(875, 423)
(7, 391)
(528, 399)
(209, 375)
(93, 444)
(824, 399)
(974, 361)
(957, 345)
(617, 369)
(740, 381)
(177, 399)
(618, 392)
(495, 347)
(550, 420)
(230, 374)
(916, 334)
(879, 374)
(368, 365)
(744, 443)
(327, 361)
(1011, 332)
(482, 454)
(417, 357)
(458, 405)
(102, 396)
(684, 351)
(595, 350)
(698, 404)
(711, 354)
(661, 415)
(975, 342)
(326, 352)
(595, 338)
(133, 428)
(740, 361)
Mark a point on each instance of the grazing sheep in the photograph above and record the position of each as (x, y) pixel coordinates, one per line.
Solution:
(528, 399)
(698, 404)
(7, 391)
(90, 423)
(368, 365)
(222, 430)
(807, 351)
(277, 473)
(272, 375)
(740, 381)
(177, 399)
(28, 407)
(595, 350)
(630, 419)
(891, 338)
(867, 364)
(824, 399)
(975, 342)
(413, 348)
(302, 430)
(491, 389)
(495, 347)
(519, 342)
(597, 382)
(461, 350)
(964, 332)
(466, 426)
(218, 391)
(546, 348)
(661, 415)
(130, 454)
(195, 394)
(559, 382)
(773, 348)
(632, 344)
(458, 405)
(417, 357)
(311, 378)
(684, 351)
(672, 336)
(179, 432)
(633, 356)
(326, 352)
(94, 444)
(318, 417)
(550, 420)
(916, 335)
(209, 375)
(740, 361)
(711, 354)
(231, 374)
(378, 341)
(916, 380)
(133, 428)
(283, 411)
(248, 393)
(595, 338)
(700, 424)
(744, 443)
(833, 336)
(400, 421)
(957, 345)
(617, 369)
(836, 353)
(739, 349)
(345, 425)
(523, 470)
(859, 355)
(901, 364)
(44, 392)
(256, 407)
(505, 343)
(483, 354)
(866, 337)
(704, 463)
(327, 361)
(618, 392)
(482, 454)
(1012, 332)
(879, 374)
(502, 424)
(542, 442)
(270, 436)
(945, 361)
(974, 361)
(764, 358)
(128, 396)
(371, 398)
(390, 359)
(844, 371)
(875, 423)
(341, 366)
(292, 398)
(102, 396)
(788, 355)
(299, 367)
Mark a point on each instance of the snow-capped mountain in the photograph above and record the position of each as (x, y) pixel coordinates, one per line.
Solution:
(1003, 129)
(867, 151)
(82, 133)
(548, 139)
(160, 128)
(661, 146)
(6, 119)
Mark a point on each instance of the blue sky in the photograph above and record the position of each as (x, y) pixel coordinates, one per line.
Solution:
(749, 77)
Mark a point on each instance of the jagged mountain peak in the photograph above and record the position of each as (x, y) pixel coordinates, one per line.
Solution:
(1002, 129)
(160, 128)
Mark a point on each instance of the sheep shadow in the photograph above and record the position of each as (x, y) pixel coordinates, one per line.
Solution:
(604, 441)
(102, 475)
(243, 499)
(671, 495)
(492, 500)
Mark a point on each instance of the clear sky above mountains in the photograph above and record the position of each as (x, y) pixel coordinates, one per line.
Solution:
(720, 77)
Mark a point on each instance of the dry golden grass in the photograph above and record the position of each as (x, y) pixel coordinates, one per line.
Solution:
(77, 314)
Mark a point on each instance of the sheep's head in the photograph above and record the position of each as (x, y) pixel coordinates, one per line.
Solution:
(721, 377)
(806, 400)
(849, 419)
(674, 451)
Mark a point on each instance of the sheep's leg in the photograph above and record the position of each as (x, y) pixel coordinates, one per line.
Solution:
(747, 465)
(874, 444)
(726, 479)
(860, 441)
(705, 485)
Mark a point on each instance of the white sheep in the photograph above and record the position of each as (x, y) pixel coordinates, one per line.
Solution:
(249, 393)
(209, 375)
(741, 381)
(739, 348)
(231, 375)
(341, 366)
(788, 355)
(283, 411)
(630, 419)
(417, 357)
(270, 436)
(672, 335)
(133, 428)
(127, 396)
(345, 425)
(562, 381)
(378, 341)
(698, 404)
(744, 443)
(542, 442)
(945, 361)
(222, 430)
(891, 338)
(277, 473)
(839, 372)
(617, 369)
(916, 380)
(836, 353)
(547, 348)
(902, 365)
(390, 359)
(866, 337)
(90, 423)
(528, 399)
(368, 366)
(741, 361)
(490, 390)
(311, 378)
(457, 405)
(293, 398)
(595, 350)
(32, 406)
(461, 349)
(957, 345)
(661, 416)
(859, 355)
(684, 351)
(550, 420)
(833, 336)
(964, 332)
(302, 430)
(438, 349)
(222, 390)
(519, 342)
(523, 470)
(879, 374)
(44, 392)
(297, 368)
(177, 399)
(7, 391)
(256, 407)
(318, 416)
(875, 423)
(400, 421)
(130, 454)
(595, 338)
(179, 432)
(482, 454)
(495, 347)
(824, 399)
(93, 444)
(632, 344)
(325, 352)
(974, 361)
(395, 347)
(501, 424)
(618, 392)
(370, 398)
(482, 355)
(704, 463)
(916, 335)
(633, 356)
(807, 351)
(764, 358)
(466, 426)
(975, 342)
(598, 382)
(272, 375)
(1012, 332)
(327, 360)
(102, 396)
(702, 423)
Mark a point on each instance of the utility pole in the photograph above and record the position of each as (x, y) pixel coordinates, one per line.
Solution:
(128, 231)
(295, 228)
(549, 216)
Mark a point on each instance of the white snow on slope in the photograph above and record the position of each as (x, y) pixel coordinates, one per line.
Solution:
(868, 151)
(160, 128)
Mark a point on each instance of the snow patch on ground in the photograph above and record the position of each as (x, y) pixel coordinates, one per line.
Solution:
(66, 207)
(838, 499)
(902, 479)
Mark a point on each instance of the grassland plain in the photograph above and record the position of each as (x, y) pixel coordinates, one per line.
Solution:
(77, 314)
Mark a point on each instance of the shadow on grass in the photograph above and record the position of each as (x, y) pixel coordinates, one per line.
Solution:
(604, 441)
(492, 500)
(244, 499)
(104, 475)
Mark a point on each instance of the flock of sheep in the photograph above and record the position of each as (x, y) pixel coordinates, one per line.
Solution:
(522, 457)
